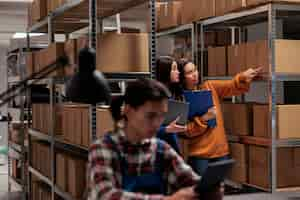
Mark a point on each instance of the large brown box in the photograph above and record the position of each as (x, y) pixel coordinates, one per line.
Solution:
(262, 55)
(287, 121)
(61, 171)
(41, 118)
(287, 167)
(132, 57)
(170, 14)
(71, 53)
(194, 10)
(257, 55)
(29, 63)
(221, 7)
(105, 122)
(233, 5)
(54, 4)
(76, 177)
(286, 56)
(49, 56)
(239, 172)
(217, 61)
(225, 6)
(238, 118)
(236, 59)
(76, 121)
(39, 10)
(86, 136)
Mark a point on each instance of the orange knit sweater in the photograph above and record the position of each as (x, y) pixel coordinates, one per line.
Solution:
(208, 142)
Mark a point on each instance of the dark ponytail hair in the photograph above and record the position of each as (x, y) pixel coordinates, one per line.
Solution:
(163, 69)
(137, 94)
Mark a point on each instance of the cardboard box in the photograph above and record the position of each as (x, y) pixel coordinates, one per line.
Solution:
(48, 56)
(194, 10)
(221, 7)
(217, 61)
(61, 171)
(226, 6)
(286, 56)
(76, 177)
(170, 14)
(71, 53)
(233, 5)
(39, 10)
(86, 134)
(239, 172)
(236, 59)
(29, 64)
(105, 122)
(287, 166)
(257, 55)
(223, 37)
(132, 57)
(238, 118)
(76, 128)
(287, 121)
(261, 122)
(251, 55)
(262, 56)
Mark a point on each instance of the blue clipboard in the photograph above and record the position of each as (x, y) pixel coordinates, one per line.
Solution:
(200, 101)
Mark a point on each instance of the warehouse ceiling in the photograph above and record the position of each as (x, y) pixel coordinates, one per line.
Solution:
(13, 18)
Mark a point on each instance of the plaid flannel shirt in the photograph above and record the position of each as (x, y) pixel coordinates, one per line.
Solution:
(105, 177)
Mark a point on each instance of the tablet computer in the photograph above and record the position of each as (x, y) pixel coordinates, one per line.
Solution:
(214, 175)
(177, 109)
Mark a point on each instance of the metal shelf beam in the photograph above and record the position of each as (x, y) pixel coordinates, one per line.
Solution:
(175, 30)
(64, 195)
(234, 16)
(39, 135)
(71, 148)
(39, 175)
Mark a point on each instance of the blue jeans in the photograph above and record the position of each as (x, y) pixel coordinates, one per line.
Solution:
(200, 165)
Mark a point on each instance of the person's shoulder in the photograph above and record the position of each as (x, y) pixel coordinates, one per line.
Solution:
(101, 143)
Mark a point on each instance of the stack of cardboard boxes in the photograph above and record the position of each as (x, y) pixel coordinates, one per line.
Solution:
(175, 13)
(41, 157)
(252, 150)
(41, 119)
(237, 58)
(71, 175)
(77, 123)
(132, 57)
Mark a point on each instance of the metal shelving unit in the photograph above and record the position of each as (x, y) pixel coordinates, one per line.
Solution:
(269, 13)
(180, 29)
(70, 17)
(17, 151)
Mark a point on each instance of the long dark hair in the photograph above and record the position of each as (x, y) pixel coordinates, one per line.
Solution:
(137, 94)
(181, 64)
(163, 71)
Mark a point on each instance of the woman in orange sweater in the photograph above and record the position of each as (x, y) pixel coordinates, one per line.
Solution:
(210, 144)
